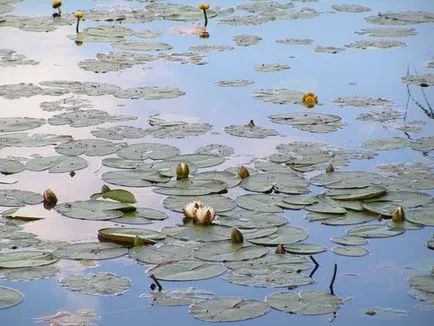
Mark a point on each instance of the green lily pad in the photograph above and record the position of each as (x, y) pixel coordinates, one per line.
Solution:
(16, 198)
(351, 251)
(9, 297)
(10, 124)
(423, 144)
(261, 203)
(186, 270)
(133, 178)
(142, 215)
(215, 149)
(430, 244)
(141, 46)
(10, 166)
(374, 231)
(227, 309)
(377, 44)
(97, 284)
(344, 179)
(271, 67)
(119, 132)
(308, 121)
(89, 147)
(350, 240)
(160, 255)
(279, 182)
(227, 251)
(120, 163)
(235, 83)
(34, 140)
(120, 195)
(285, 235)
(150, 93)
(325, 205)
(218, 202)
(387, 32)
(350, 8)
(422, 215)
(368, 192)
(305, 249)
(404, 225)
(271, 279)
(201, 233)
(349, 218)
(389, 143)
(245, 219)
(250, 131)
(26, 258)
(57, 164)
(128, 235)
(191, 187)
(304, 303)
(29, 273)
(92, 209)
(279, 96)
(295, 41)
(401, 18)
(210, 48)
(143, 151)
(85, 118)
(229, 178)
(423, 283)
(91, 251)
(180, 297)
(199, 160)
(179, 131)
(301, 200)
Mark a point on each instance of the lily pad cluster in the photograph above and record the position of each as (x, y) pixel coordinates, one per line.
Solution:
(10, 58)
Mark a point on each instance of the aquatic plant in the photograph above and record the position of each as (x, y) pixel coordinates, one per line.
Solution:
(309, 100)
(56, 4)
(198, 213)
(79, 15)
(204, 7)
(182, 171)
(50, 199)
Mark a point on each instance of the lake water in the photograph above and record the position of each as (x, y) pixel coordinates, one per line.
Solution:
(379, 279)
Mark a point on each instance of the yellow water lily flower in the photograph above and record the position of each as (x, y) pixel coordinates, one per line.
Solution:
(204, 6)
(310, 99)
(56, 4)
(79, 15)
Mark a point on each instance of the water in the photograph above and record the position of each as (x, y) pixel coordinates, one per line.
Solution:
(376, 280)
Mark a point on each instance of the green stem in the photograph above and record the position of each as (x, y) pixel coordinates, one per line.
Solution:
(78, 23)
(206, 17)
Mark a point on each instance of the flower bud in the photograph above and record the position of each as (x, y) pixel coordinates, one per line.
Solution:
(398, 215)
(280, 249)
(50, 199)
(182, 171)
(237, 236)
(243, 172)
(330, 168)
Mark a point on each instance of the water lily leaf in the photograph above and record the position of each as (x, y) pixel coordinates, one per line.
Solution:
(218, 202)
(85, 118)
(133, 178)
(245, 219)
(97, 284)
(9, 297)
(325, 205)
(387, 32)
(16, 198)
(261, 203)
(350, 8)
(279, 96)
(186, 270)
(227, 309)
(389, 143)
(10, 166)
(374, 231)
(142, 215)
(210, 48)
(199, 160)
(179, 131)
(386, 313)
(34, 140)
(180, 297)
(422, 215)
(160, 255)
(404, 225)
(29, 273)
(120, 163)
(119, 132)
(308, 121)
(191, 187)
(351, 251)
(401, 18)
(120, 195)
(378, 44)
(357, 193)
(350, 240)
(229, 178)
(304, 303)
(279, 182)
(422, 282)
(305, 249)
(92, 209)
(271, 279)
(26, 258)
(271, 67)
(349, 218)
(301, 200)
(109, 31)
(91, 251)
(227, 251)
(285, 235)
(57, 164)
(144, 151)
(201, 233)
(128, 235)
(430, 244)
(250, 131)
(235, 83)
(215, 149)
(10, 124)
(89, 147)
(423, 144)
(141, 46)
(343, 180)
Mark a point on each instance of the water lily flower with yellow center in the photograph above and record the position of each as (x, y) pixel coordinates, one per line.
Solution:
(56, 4)
(204, 7)
(310, 99)
(204, 215)
(79, 15)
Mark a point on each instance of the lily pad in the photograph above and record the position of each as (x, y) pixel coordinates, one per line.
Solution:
(26, 258)
(401, 18)
(350, 240)
(344, 180)
(279, 96)
(305, 303)
(328, 49)
(387, 32)
(250, 131)
(191, 187)
(362, 101)
(180, 297)
(229, 178)
(179, 131)
(119, 132)
(34, 140)
(10, 124)
(120, 195)
(10, 166)
(16, 198)
(128, 235)
(201, 233)
(235, 83)
(304, 249)
(97, 284)
(357, 193)
(91, 251)
(325, 205)
(29, 273)
(199, 160)
(142, 215)
(245, 219)
(261, 203)
(150, 93)
(278, 182)
(186, 270)
(382, 144)
(422, 282)
(350, 8)
(89, 147)
(218, 202)
(308, 121)
(210, 48)
(57, 164)
(271, 67)
(227, 251)
(142, 151)
(92, 209)
(374, 231)
(9, 297)
(349, 218)
(421, 215)
(423, 144)
(351, 251)
(285, 235)
(141, 46)
(160, 255)
(271, 279)
(295, 41)
(85, 118)
(133, 178)
(227, 309)
(246, 39)
(378, 44)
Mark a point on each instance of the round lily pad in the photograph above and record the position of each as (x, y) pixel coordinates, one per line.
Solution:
(378, 44)
(215, 149)
(128, 235)
(97, 284)
(16, 198)
(91, 251)
(85, 118)
(250, 131)
(305, 249)
(421, 215)
(308, 121)
(374, 231)
(304, 303)
(133, 178)
(143, 151)
(57, 164)
(186, 270)
(350, 240)
(430, 244)
(229, 178)
(119, 132)
(142, 215)
(271, 279)
(119, 195)
(235, 83)
(279, 182)
(357, 193)
(351, 251)
(191, 187)
(279, 96)
(342, 180)
(422, 282)
(9, 297)
(89, 147)
(92, 209)
(349, 218)
(9, 166)
(160, 255)
(250, 219)
(180, 297)
(201, 233)
(325, 205)
(271, 67)
(11, 124)
(389, 143)
(218, 202)
(30, 273)
(199, 160)
(286, 263)
(228, 251)
(26, 258)
(227, 309)
(285, 235)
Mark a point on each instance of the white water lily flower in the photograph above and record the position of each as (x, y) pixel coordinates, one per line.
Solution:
(190, 209)
(205, 215)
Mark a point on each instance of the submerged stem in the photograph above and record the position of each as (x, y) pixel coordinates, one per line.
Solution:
(332, 282)
(206, 17)
(78, 23)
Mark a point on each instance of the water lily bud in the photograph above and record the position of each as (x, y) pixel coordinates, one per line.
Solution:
(237, 236)
(243, 172)
(182, 171)
(204, 6)
(309, 100)
(105, 188)
(251, 124)
(204, 215)
(138, 241)
(398, 215)
(330, 168)
(56, 4)
(79, 14)
(280, 249)
(50, 199)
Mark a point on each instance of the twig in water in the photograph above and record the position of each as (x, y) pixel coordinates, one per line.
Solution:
(316, 265)
(332, 282)
(160, 287)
